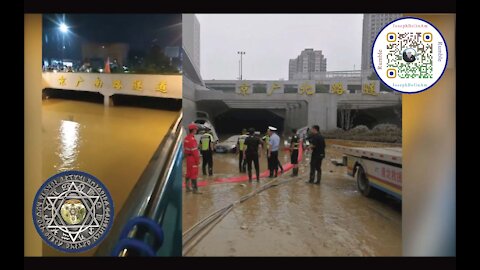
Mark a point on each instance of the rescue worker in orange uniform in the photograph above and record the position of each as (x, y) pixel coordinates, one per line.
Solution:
(190, 150)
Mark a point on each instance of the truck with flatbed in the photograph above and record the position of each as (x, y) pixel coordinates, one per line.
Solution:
(375, 168)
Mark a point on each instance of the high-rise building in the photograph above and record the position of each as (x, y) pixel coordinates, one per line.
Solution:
(372, 24)
(191, 66)
(309, 61)
(191, 38)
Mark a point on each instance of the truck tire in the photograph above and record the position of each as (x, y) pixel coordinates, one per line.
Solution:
(363, 184)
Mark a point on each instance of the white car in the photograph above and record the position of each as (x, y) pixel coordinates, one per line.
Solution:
(227, 146)
(202, 125)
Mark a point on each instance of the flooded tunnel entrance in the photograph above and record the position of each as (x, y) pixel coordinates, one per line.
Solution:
(234, 120)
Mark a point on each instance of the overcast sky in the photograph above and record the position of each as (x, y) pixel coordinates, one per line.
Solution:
(271, 40)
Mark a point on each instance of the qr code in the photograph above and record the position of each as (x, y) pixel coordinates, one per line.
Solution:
(410, 55)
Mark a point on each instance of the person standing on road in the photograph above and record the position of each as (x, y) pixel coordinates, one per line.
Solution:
(190, 150)
(266, 143)
(317, 145)
(242, 163)
(252, 152)
(294, 143)
(266, 146)
(206, 144)
(306, 139)
(279, 164)
(274, 144)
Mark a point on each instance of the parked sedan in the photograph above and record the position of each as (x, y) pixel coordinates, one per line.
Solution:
(227, 146)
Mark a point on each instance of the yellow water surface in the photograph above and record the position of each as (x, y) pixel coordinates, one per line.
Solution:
(112, 143)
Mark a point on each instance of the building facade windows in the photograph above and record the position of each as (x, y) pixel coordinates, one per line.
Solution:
(372, 24)
(309, 61)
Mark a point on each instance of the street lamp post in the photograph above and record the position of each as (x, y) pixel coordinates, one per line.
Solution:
(239, 70)
(241, 53)
(63, 28)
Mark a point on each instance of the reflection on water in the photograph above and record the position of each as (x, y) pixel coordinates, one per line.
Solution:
(112, 143)
(68, 136)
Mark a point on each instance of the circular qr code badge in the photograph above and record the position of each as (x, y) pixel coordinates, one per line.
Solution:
(409, 55)
(73, 211)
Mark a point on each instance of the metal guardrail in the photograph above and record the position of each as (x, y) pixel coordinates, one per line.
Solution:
(149, 223)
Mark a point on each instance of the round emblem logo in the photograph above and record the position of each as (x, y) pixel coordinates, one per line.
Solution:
(409, 55)
(73, 211)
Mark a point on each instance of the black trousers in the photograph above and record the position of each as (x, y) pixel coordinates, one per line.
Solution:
(294, 157)
(207, 161)
(316, 166)
(242, 163)
(279, 163)
(253, 158)
(273, 163)
(269, 164)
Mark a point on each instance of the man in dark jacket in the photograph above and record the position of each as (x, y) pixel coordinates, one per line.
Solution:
(317, 144)
(253, 147)
(294, 143)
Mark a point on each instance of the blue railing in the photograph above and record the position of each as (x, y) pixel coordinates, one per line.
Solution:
(150, 222)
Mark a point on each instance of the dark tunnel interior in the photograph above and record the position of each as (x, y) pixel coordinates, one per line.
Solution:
(234, 120)
(117, 99)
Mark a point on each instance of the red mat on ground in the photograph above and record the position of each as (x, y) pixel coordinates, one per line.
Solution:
(243, 178)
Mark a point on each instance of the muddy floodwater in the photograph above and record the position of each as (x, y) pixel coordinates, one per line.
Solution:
(112, 143)
(295, 218)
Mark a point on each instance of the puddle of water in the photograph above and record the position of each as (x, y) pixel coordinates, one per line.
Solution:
(296, 219)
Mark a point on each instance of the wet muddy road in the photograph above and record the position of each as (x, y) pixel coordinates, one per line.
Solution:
(295, 218)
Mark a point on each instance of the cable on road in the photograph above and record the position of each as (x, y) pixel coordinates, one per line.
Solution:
(197, 232)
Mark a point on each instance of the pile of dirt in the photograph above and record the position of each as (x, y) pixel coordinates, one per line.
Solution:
(380, 133)
(361, 129)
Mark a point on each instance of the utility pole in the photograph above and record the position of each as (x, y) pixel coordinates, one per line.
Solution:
(241, 53)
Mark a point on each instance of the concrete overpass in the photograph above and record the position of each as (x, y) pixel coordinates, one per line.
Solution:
(299, 103)
(109, 84)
